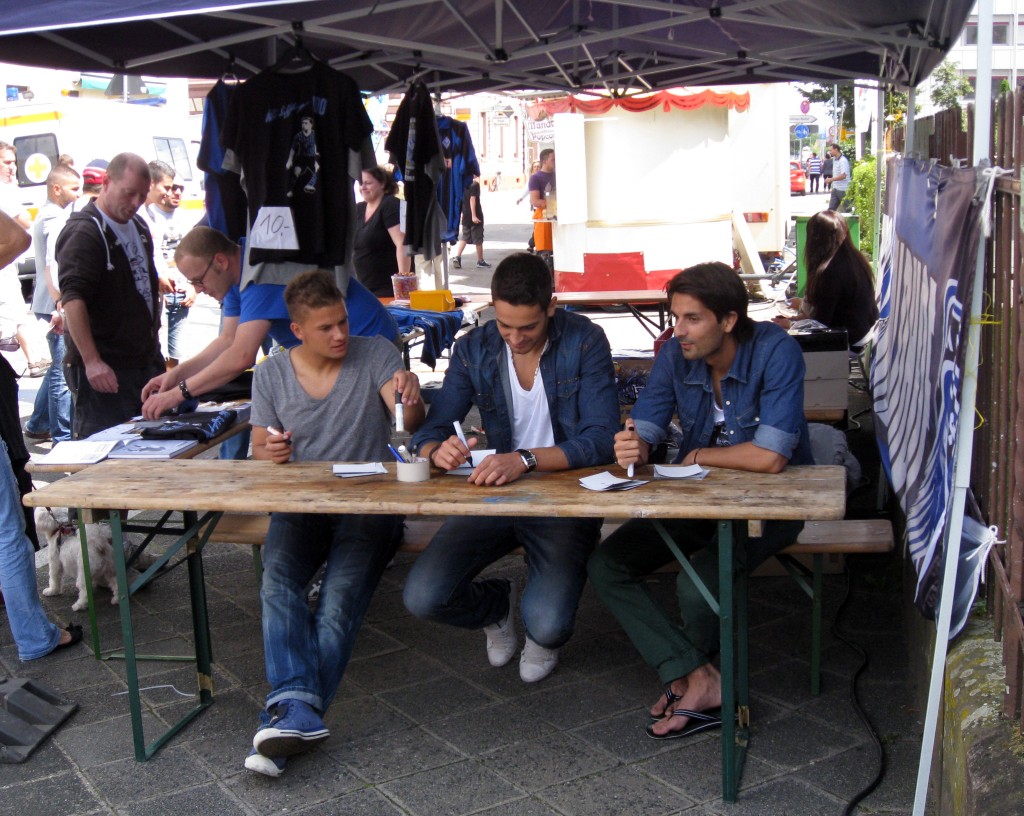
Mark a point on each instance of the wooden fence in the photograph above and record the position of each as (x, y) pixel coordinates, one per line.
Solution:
(997, 477)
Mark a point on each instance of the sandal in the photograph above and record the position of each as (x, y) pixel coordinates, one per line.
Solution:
(75, 631)
(699, 721)
(671, 699)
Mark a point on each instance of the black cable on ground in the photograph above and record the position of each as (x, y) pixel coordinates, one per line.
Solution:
(855, 701)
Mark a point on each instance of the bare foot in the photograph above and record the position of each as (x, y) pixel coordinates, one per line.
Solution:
(701, 690)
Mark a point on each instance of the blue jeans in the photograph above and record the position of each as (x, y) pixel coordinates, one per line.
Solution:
(307, 652)
(176, 317)
(52, 409)
(33, 633)
(440, 585)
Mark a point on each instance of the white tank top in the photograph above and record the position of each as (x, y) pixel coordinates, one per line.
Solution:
(531, 419)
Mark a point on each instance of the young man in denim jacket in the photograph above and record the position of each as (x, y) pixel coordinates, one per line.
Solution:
(737, 388)
(544, 383)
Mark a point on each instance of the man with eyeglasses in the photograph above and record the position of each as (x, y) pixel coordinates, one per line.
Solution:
(161, 213)
(212, 262)
(111, 298)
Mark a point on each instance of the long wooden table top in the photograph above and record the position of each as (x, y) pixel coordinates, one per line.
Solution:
(259, 486)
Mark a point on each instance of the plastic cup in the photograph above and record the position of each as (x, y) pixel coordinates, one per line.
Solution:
(416, 471)
(403, 285)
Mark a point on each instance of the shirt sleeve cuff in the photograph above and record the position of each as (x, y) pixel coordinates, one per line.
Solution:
(777, 440)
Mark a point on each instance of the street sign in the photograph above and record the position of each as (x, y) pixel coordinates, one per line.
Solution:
(806, 119)
(832, 132)
(805, 106)
(499, 119)
(802, 131)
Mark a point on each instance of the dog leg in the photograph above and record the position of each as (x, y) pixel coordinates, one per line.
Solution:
(56, 568)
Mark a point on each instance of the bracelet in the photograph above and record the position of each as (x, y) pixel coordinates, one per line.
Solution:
(184, 390)
(695, 455)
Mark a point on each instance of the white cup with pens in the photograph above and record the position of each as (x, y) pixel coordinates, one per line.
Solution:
(409, 467)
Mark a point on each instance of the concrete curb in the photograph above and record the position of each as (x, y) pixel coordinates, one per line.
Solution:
(982, 753)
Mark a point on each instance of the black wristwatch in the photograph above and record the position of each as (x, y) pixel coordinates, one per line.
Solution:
(529, 460)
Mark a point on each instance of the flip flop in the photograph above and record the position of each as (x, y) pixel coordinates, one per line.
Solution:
(699, 721)
(671, 699)
(75, 631)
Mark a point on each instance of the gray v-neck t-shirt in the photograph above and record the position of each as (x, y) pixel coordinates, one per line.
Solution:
(351, 423)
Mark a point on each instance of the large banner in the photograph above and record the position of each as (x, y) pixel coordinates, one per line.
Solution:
(930, 231)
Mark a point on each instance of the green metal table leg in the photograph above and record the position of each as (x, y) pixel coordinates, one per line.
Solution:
(128, 635)
(816, 625)
(732, 602)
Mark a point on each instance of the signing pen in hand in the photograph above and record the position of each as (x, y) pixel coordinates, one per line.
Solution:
(275, 432)
(399, 413)
(631, 427)
(460, 434)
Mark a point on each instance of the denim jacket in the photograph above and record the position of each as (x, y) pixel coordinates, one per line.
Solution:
(578, 376)
(763, 396)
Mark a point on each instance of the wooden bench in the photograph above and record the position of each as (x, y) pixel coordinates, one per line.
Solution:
(818, 539)
(824, 538)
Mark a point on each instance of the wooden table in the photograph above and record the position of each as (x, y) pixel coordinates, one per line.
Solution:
(210, 487)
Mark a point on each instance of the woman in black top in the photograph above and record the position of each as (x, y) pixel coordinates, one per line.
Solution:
(840, 286)
(379, 249)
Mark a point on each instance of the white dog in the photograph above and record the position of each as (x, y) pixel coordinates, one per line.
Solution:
(65, 551)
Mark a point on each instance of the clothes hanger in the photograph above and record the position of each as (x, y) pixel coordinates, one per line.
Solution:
(296, 55)
(228, 77)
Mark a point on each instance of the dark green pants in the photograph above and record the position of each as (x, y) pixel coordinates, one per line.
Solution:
(674, 645)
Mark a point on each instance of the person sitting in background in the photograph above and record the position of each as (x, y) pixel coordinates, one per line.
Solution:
(840, 290)
(379, 249)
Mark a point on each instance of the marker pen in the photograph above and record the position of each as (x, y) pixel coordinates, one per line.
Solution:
(275, 432)
(631, 427)
(399, 413)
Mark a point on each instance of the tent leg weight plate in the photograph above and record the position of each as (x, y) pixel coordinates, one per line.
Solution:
(29, 713)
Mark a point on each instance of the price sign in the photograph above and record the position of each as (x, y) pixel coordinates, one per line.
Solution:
(274, 229)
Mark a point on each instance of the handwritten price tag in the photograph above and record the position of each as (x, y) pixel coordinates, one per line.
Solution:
(274, 228)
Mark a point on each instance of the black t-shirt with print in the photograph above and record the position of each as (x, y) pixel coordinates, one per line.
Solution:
(300, 165)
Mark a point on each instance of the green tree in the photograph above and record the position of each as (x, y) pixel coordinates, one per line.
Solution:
(949, 86)
(861, 197)
(824, 93)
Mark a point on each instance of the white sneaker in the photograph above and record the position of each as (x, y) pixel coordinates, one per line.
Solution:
(536, 662)
(501, 636)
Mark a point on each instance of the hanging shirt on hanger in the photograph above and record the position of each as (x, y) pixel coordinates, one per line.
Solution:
(225, 200)
(292, 135)
(460, 166)
(415, 150)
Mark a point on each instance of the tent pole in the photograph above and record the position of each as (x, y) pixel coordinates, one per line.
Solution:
(965, 425)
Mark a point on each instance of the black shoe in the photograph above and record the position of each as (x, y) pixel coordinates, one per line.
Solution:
(483, 264)
(456, 263)
(39, 436)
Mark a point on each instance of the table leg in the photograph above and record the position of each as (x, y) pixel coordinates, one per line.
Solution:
(735, 691)
(128, 635)
(194, 535)
(731, 608)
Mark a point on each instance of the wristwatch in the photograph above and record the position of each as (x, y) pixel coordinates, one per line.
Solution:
(529, 460)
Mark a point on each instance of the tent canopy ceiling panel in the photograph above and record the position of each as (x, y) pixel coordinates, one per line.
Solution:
(617, 46)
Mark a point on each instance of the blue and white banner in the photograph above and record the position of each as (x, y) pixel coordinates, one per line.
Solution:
(930, 232)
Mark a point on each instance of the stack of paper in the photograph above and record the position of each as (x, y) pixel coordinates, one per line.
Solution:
(467, 467)
(680, 472)
(78, 452)
(605, 481)
(349, 469)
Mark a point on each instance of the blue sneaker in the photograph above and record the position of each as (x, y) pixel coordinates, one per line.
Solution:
(294, 728)
(265, 765)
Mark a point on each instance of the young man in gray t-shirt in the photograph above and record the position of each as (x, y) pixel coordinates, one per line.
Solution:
(331, 398)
